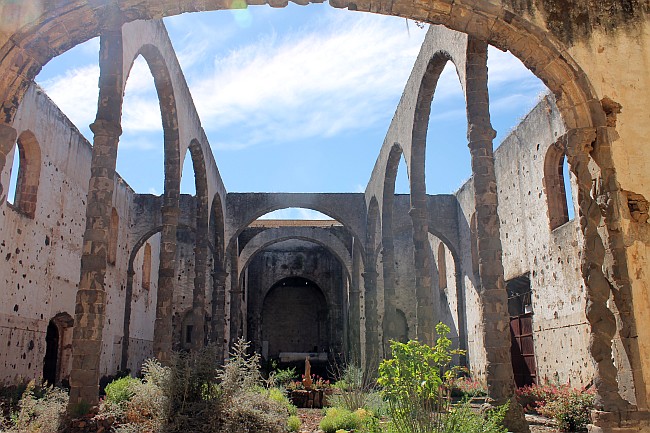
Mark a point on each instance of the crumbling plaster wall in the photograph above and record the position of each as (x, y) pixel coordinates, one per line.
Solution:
(551, 257)
(42, 255)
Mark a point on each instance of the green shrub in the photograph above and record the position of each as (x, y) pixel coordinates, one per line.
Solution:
(462, 419)
(40, 410)
(337, 418)
(570, 407)
(279, 395)
(355, 388)
(293, 423)
(282, 377)
(120, 391)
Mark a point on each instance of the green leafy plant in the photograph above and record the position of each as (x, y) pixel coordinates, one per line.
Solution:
(414, 379)
(462, 419)
(121, 390)
(571, 408)
(354, 388)
(337, 418)
(293, 423)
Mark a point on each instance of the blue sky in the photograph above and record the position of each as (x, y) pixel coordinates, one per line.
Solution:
(296, 99)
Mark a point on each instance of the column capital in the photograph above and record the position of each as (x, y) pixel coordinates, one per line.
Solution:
(106, 128)
(219, 275)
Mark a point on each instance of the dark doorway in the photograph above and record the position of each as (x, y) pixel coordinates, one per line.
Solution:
(51, 361)
(522, 349)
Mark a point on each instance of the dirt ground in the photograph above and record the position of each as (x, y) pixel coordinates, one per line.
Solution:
(311, 418)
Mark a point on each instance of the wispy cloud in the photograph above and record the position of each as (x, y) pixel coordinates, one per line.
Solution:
(344, 74)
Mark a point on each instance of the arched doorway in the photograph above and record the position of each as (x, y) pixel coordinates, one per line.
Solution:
(295, 319)
(50, 364)
(58, 349)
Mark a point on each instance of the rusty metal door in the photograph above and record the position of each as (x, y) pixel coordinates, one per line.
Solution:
(522, 350)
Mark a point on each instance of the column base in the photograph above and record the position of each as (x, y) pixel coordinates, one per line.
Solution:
(620, 422)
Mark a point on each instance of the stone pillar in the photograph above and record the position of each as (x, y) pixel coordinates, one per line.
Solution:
(354, 319)
(612, 408)
(127, 317)
(8, 137)
(492, 291)
(91, 295)
(218, 312)
(235, 296)
(372, 323)
(390, 309)
(162, 335)
(426, 326)
(200, 269)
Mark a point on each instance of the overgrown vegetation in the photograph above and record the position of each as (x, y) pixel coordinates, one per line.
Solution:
(40, 410)
(340, 419)
(416, 383)
(570, 407)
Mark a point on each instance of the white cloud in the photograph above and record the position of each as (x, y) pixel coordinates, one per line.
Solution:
(76, 93)
(345, 73)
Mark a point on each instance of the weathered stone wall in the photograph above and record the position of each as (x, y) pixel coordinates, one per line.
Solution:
(551, 257)
(42, 255)
(296, 258)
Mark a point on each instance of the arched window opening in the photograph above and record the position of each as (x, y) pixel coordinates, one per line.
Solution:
(442, 267)
(112, 238)
(188, 177)
(146, 267)
(143, 137)
(557, 185)
(446, 155)
(25, 175)
(402, 183)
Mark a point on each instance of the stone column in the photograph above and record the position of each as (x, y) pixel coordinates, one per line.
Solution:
(127, 317)
(91, 295)
(235, 296)
(162, 335)
(218, 312)
(492, 291)
(390, 309)
(200, 269)
(426, 326)
(372, 323)
(8, 137)
(598, 289)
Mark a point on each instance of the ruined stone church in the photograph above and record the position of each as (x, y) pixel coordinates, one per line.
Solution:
(97, 278)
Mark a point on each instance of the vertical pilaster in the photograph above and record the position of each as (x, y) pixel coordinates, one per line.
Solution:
(127, 317)
(492, 291)
(162, 335)
(372, 323)
(425, 329)
(218, 312)
(91, 295)
(200, 270)
(235, 297)
(8, 137)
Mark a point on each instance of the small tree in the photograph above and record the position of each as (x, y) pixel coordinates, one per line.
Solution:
(413, 382)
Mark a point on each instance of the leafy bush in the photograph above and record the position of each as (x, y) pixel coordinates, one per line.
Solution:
(413, 382)
(355, 388)
(279, 395)
(340, 419)
(461, 419)
(293, 423)
(571, 408)
(282, 377)
(466, 387)
(121, 390)
(40, 410)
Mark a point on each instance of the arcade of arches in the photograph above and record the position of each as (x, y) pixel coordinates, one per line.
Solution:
(97, 277)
